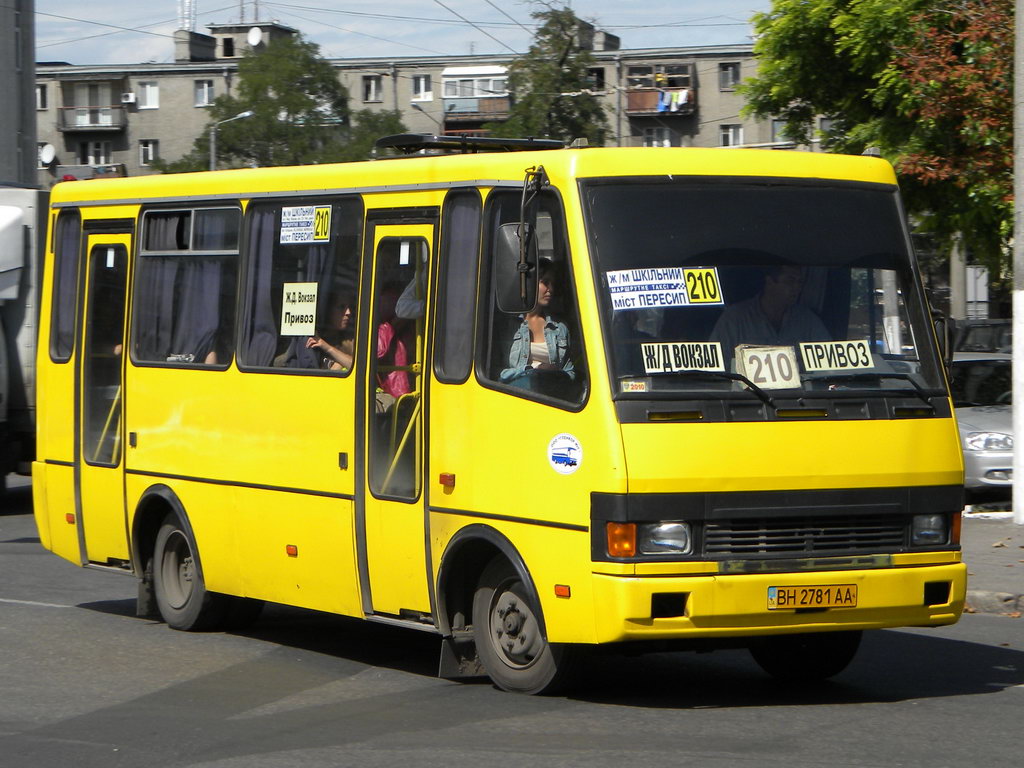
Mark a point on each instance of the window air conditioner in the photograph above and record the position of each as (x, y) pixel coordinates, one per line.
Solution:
(127, 98)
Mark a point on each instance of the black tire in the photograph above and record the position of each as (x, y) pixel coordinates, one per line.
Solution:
(181, 596)
(509, 639)
(806, 658)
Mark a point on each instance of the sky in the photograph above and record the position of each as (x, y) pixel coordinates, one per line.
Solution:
(122, 32)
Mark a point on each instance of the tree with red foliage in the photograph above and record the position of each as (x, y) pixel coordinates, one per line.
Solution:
(928, 82)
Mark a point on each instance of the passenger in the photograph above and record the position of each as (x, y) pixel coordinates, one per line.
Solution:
(392, 351)
(541, 343)
(336, 342)
(773, 317)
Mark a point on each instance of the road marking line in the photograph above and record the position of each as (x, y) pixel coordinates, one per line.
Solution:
(33, 602)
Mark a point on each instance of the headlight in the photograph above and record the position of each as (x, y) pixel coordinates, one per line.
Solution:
(664, 539)
(929, 529)
(988, 441)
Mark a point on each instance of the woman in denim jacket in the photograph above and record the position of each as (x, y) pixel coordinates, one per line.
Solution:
(541, 343)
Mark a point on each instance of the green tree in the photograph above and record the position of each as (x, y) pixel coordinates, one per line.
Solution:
(549, 84)
(925, 81)
(300, 114)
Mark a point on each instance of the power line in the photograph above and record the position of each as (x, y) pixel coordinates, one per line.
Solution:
(502, 12)
(350, 31)
(477, 28)
(392, 17)
(117, 30)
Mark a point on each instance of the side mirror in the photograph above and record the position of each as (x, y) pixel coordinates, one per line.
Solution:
(515, 268)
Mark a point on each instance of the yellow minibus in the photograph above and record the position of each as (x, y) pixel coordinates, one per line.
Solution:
(536, 401)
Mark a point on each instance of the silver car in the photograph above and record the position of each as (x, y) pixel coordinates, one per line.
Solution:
(982, 389)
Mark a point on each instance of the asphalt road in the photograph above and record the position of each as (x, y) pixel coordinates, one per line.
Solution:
(84, 683)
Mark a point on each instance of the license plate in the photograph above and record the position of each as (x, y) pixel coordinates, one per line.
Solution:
(833, 596)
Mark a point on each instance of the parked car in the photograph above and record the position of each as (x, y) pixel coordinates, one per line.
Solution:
(982, 387)
(983, 335)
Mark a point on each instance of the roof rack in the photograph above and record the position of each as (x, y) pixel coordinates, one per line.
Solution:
(410, 143)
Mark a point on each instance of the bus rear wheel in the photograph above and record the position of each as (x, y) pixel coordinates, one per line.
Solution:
(806, 658)
(181, 596)
(508, 635)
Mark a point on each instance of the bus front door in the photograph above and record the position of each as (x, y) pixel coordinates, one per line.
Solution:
(393, 560)
(99, 426)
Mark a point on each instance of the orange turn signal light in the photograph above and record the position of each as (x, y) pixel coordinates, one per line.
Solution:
(562, 590)
(954, 537)
(621, 539)
(70, 517)
(291, 550)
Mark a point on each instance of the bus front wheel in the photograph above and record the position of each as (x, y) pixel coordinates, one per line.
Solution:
(181, 596)
(806, 658)
(509, 638)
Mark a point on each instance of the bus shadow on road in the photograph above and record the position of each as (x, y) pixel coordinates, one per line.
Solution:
(890, 667)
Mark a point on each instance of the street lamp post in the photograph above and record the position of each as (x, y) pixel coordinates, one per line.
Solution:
(213, 135)
(418, 108)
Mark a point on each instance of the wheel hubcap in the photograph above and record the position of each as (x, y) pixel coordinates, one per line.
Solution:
(178, 569)
(514, 631)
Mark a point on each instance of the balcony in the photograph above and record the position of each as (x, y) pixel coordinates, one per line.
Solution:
(98, 119)
(660, 102)
(476, 109)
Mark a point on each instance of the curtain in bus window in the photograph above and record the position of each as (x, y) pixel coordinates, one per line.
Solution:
(184, 308)
(167, 230)
(262, 329)
(65, 287)
(316, 267)
(272, 266)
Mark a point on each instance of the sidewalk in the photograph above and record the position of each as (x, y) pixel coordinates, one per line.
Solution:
(993, 548)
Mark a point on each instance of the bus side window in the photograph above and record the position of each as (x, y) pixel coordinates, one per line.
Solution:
(66, 246)
(185, 287)
(538, 354)
(301, 285)
(460, 250)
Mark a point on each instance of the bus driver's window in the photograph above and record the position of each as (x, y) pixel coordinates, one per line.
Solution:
(538, 353)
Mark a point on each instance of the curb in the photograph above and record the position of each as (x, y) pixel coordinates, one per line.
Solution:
(1002, 603)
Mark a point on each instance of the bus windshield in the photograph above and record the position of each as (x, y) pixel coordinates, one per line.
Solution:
(774, 288)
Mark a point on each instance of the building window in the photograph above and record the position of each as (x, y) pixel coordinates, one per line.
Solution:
(149, 150)
(203, 93)
(656, 137)
(372, 88)
(730, 135)
(595, 77)
(94, 153)
(41, 102)
(229, 47)
(779, 132)
(421, 88)
(660, 76)
(481, 87)
(728, 75)
(147, 94)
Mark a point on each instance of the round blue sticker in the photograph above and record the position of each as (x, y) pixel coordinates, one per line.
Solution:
(565, 454)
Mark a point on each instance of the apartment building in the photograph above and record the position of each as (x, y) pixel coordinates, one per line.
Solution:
(98, 120)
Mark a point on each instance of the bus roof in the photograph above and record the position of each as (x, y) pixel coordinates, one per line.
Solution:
(409, 173)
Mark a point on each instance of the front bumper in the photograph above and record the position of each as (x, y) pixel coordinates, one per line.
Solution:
(737, 605)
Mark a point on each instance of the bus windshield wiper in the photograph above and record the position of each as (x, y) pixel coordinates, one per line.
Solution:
(763, 396)
(920, 391)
